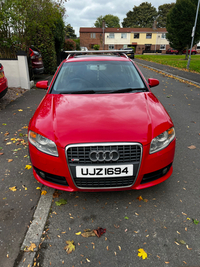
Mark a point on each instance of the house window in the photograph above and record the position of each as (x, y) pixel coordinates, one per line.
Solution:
(163, 36)
(163, 47)
(136, 35)
(93, 35)
(111, 35)
(111, 47)
(148, 35)
(198, 46)
(123, 35)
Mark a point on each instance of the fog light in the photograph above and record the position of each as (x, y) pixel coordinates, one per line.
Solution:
(165, 171)
(42, 174)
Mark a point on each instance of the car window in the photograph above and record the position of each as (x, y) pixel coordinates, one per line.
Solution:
(99, 76)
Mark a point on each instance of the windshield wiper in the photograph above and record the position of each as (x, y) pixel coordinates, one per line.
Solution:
(78, 92)
(126, 90)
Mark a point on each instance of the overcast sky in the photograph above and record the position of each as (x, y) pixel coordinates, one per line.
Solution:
(80, 13)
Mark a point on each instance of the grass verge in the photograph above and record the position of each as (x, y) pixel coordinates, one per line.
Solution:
(177, 61)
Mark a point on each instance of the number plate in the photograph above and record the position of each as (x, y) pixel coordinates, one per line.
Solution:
(101, 171)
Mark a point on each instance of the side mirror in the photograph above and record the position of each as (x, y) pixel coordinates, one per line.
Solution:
(153, 82)
(42, 84)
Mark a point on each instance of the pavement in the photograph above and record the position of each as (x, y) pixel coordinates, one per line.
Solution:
(22, 207)
(185, 75)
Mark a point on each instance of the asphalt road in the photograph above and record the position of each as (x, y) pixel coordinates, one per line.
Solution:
(163, 225)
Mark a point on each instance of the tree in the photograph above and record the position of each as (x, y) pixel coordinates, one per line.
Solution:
(69, 32)
(110, 21)
(180, 22)
(24, 23)
(142, 16)
(163, 10)
(69, 45)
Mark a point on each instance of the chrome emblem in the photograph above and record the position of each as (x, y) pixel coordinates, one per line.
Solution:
(106, 155)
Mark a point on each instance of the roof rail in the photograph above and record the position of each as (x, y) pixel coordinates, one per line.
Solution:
(115, 52)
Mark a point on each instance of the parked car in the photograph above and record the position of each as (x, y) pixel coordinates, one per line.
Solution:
(193, 52)
(172, 51)
(100, 127)
(3, 82)
(129, 52)
(83, 48)
(36, 60)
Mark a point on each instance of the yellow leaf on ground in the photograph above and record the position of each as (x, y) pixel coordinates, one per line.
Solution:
(70, 246)
(28, 167)
(14, 188)
(142, 253)
(44, 192)
(32, 247)
(20, 109)
(10, 160)
(38, 188)
(140, 198)
(79, 233)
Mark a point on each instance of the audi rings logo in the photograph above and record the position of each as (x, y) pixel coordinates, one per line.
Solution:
(106, 155)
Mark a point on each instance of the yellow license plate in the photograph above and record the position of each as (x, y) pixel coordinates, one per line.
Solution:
(1, 75)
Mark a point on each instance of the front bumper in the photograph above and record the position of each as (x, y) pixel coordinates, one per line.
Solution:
(153, 169)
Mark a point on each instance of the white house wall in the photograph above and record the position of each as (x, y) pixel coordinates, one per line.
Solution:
(117, 40)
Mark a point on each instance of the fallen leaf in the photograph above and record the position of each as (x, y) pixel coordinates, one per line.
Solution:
(182, 242)
(119, 248)
(38, 188)
(88, 233)
(79, 233)
(87, 260)
(142, 253)
(1, 153)
(166, 262)
(107, 248)
(9, 143)
(116, 226)
(70, 246)
(10, 160)
(195, 221)
(140, 198)
(32, 247)
(99, 231)
(28, 167)
(14, 188)
(61, 202)
(192, 147)
(56, 194)
(43, 192)
(20, 109)
(126, 218)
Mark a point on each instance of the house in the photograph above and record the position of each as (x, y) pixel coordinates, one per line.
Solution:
(143, 39)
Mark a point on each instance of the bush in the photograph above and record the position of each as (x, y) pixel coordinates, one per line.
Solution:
(69, 45)
(96, 47)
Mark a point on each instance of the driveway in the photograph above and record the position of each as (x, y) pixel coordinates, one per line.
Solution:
(162, 220)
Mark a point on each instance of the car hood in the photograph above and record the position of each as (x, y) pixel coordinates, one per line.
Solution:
(131, 117)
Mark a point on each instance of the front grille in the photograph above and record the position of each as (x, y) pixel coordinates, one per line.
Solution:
(79, 155)
(128, 153)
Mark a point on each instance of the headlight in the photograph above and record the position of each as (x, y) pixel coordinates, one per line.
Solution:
(162, 140)
(42, 143)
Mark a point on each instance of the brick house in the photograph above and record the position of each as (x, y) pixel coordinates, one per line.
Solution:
(116, 38)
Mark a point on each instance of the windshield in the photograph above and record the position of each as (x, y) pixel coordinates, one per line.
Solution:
(98, 77)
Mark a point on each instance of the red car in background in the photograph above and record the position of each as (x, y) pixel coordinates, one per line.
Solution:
(193, 52)
(172, 51)
(36, 60)
(100, 127)
(3, 82)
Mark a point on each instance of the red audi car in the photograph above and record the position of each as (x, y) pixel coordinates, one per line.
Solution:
(100, 127)
(3, 82)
